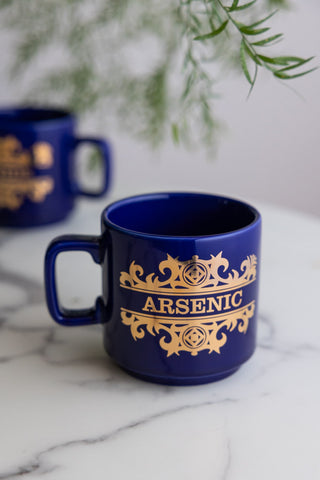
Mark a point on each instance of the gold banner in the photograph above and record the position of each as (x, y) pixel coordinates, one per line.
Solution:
(17, 180)
(194, 302)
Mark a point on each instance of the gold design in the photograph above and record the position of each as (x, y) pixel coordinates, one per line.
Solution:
(195, 273)
(194, 337)
(43, 155)
(189, 336)
(191, 277)
(17, 180)
(13, 193)
(12, 156)
(194, 302)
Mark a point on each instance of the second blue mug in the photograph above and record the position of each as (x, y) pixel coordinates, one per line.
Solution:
(38, 182)
(179, 285)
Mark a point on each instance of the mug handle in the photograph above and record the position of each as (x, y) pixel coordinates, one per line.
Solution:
(105, 152)
(67, 243)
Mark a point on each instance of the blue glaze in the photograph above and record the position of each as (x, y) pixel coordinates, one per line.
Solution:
(30, 128)
(190, 228)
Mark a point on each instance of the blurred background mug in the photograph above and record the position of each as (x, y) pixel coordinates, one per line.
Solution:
(180, 285)
(38, 180)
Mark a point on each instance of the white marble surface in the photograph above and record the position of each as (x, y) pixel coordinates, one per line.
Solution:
(66, 412)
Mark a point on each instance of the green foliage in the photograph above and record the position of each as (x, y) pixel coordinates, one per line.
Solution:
(150, 63)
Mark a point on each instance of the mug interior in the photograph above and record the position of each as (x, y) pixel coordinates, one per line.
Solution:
(180, 214)
(31, 115)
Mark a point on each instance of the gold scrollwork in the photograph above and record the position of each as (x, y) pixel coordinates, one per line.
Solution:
(206, 333)
(13, 194)
(190, 276)
(12, 154)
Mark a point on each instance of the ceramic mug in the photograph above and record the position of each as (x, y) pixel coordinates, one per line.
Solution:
(180, 285)
(38, 183)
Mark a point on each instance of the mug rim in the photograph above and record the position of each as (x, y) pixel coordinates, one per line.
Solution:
(167, 194)
(9, 117)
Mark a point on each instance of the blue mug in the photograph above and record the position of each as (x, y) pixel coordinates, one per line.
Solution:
(38, 183)
(180, 285)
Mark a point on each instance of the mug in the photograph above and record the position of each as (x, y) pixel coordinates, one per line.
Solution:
(38, 184)
(179, 285)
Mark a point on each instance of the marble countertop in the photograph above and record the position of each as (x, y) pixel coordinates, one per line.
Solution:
(67, 412)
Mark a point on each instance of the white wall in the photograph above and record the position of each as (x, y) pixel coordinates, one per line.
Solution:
(271, 150)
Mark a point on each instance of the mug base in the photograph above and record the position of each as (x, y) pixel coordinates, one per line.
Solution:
(182, 381)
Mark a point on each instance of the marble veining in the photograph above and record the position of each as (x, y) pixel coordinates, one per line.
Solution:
(37, 464)
(68, 412)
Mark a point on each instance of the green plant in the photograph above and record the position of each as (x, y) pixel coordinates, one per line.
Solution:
(151, 62)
